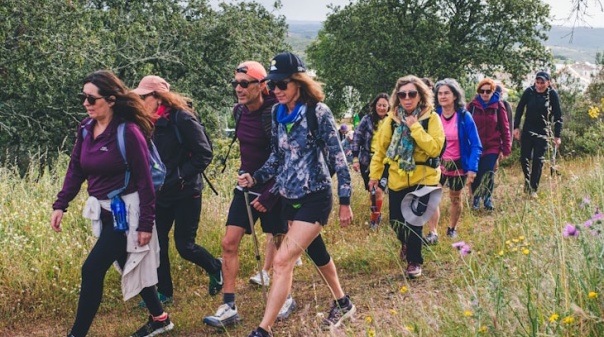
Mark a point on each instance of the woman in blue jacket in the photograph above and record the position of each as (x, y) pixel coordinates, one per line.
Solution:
(463, 148)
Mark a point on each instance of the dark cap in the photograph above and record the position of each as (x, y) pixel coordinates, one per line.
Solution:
(542, 75)
(284, 65)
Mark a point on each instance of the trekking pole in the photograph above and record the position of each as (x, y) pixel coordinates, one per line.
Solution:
(248, 207)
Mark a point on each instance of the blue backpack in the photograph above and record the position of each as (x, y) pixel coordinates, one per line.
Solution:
(156, 166)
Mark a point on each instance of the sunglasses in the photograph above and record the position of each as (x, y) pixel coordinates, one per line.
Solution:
(488, 91)
(282, 85)
(143, 97)
(91, 99)
(405, 94)
(244, 84)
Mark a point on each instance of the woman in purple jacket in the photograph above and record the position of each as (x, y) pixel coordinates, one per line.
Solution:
(491, 120)
(96, 158)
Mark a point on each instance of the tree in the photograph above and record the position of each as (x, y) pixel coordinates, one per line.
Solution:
(47, 47)
(371, 43)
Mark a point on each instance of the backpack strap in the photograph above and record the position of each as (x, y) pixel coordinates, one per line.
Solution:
(237, 115)
(121, 143)
(432, 162)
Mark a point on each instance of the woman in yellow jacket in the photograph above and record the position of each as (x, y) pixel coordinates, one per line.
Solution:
(408, 143)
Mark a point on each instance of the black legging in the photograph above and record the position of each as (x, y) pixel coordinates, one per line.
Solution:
(184, 213)
(407, 234)
(537, 145)
(110, 247)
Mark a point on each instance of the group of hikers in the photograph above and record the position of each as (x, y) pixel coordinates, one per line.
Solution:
(290, 148)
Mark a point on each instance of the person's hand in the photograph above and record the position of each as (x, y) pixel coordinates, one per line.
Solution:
(373, 184)
(410, 120)
(517, 134)
(258, 206)
(557, 141)
(345, 215)
(245, 180)
(55, 220)
(356, 166)
(143, 238)
(470, 176)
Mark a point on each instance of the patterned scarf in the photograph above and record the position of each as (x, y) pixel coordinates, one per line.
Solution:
(402, 145)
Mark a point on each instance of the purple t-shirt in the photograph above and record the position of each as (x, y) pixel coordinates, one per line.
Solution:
(100, 162)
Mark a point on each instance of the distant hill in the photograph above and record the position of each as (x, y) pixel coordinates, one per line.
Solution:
(580, 44)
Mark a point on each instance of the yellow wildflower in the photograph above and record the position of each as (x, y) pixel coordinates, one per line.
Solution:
(594, 112)
(467, 313)
(403, 289)
(482, 329)
(515, 240)
(514, 249)
(568, 320)
(521, 237)
(508, 242)
(500, 253)
(554, 317)
(371, 333)
(525, 251)
(593, 294)
(368, 319)
(392, 311)
(409, 328)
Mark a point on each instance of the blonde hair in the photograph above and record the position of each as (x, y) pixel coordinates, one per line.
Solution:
(426, 97)
(311, 91)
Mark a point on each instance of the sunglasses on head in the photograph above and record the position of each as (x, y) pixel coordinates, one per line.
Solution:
(405, 94)
(487, 91)
(282, 85)
(91, 99)
(244, 84)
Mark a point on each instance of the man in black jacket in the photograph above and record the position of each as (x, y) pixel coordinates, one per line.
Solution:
(543, 111)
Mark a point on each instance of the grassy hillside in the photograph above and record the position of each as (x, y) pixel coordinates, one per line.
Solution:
(523, 276)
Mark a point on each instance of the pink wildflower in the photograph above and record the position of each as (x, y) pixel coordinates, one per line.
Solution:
(459, 244)
(465, 250)
(597, 216)
(570, 230)
(587, 223)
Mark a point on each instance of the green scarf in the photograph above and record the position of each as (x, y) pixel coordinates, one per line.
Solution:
(402, 145)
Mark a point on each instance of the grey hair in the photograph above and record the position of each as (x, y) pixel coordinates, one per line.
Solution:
(455, 88)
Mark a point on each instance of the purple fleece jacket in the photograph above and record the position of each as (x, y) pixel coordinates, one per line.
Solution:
(99, 161)
(255, 147)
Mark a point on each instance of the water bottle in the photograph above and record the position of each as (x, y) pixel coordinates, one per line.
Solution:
(120, 216)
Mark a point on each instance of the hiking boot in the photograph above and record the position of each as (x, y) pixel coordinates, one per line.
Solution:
(163, 299)
(414, 270)
(431, 239)
(338, 314)
(476, 203)
(224, 316)
(374, 224)
(154, 328)
(216, 281)
(403, 252)
(452, 233)
(488, 204)
(257, 280)
(257, 333)
(288, 307)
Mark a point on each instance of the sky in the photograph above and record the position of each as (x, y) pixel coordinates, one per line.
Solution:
(316, 10)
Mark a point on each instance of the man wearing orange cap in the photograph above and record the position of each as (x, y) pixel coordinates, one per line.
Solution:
(253, 121)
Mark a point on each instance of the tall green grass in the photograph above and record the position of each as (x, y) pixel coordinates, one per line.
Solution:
(522, 277)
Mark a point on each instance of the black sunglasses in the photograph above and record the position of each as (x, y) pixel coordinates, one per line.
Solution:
(91, 99)
(282, 85)
(488, 91)
(405, 94)
(143, 97)
(244, 84)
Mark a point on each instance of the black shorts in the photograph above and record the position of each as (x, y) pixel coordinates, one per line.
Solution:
(455, 183)
(271, 221)
(314, 207)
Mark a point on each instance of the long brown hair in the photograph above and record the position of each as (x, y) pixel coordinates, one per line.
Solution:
(311, 91)
(175, 101)
(127, 105)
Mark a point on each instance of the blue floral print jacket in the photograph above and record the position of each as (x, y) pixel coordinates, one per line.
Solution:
(361, 143)
(297, 162)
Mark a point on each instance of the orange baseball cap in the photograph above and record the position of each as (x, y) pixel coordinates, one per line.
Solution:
(151, 84)
(252, 68)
